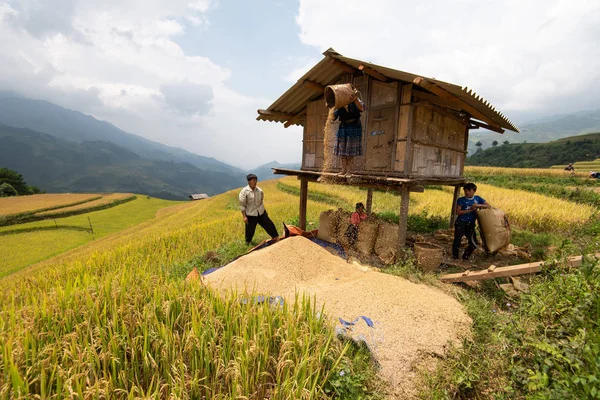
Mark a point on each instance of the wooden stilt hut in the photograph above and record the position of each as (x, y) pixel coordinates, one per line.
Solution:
(415, 129)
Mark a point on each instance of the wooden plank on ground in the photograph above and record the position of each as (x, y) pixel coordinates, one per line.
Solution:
(498, 272)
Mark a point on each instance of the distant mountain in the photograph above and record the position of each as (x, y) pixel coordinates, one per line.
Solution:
(542, 130)
(540, 155)
(58, 165)
(265, 173)
(42, 116)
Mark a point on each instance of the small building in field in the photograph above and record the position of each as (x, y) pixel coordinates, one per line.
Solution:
(415, 129)
(201, 196)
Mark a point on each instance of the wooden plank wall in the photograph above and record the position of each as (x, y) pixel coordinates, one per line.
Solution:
(314, 129)
(438, 142)
(380, 130)
(420, 139)
(316, 115)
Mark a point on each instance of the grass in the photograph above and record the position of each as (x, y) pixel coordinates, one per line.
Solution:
(543, 345)
(36, 243)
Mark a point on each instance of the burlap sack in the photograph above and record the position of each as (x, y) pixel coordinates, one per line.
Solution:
(324, 232)
(367, 235)
(494, 228)
(342, 220)
(386, 244)
(331, 223)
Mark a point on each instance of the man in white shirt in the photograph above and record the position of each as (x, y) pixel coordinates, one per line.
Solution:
(253, 210)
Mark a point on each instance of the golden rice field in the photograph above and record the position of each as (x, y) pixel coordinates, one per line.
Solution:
(556, 171)
(20, 204)
(526, 210)
(36, 241)
(583, 166)
(106, 199)
(105, 320)
(108, 319)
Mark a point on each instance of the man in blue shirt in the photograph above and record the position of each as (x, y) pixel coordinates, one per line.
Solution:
(465, 222)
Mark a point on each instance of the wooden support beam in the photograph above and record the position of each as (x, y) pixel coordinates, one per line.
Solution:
(369, 200)
(370, 71)
(276, 114)
(454, 200)
(433, 88)
(437, 145)
(498, 272)
(303, 202)
(485, 126)
(372, 180)
(404, 126)
(343, 66)
(313, 85)
(404, 199)
(436, 100)
(409, 123)
(295, 119)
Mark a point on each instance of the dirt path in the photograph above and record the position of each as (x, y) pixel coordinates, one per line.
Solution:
(412, 321)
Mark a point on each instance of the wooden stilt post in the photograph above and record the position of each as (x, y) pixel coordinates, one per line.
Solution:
(454, 199)
(404, 198)
(303, 200)
(369, 200)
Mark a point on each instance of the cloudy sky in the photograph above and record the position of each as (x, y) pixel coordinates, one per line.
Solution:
(192, 73)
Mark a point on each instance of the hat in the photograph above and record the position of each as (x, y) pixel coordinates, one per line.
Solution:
(249, 177)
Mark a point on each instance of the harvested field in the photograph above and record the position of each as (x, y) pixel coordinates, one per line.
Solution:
(107, 199)
(21, 204)
(412, 321)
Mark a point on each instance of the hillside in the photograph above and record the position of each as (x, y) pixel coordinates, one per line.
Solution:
(57, 165)
(264, 172)
(45, 117)
(542, 130)
(133, 283)
(540, 155)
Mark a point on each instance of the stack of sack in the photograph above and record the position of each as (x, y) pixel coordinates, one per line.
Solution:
(374, 236)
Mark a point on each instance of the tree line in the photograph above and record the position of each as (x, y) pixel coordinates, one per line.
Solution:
(13, 184)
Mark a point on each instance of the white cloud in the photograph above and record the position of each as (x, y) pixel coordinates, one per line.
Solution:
(524, 56)
(7, 12)
(305, 65)
(117, 60)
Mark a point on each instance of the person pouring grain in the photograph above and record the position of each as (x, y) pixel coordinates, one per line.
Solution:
(348, 143)
(253, 210)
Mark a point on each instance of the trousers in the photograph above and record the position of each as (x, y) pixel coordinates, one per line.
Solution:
(464, 228)
(264, 221)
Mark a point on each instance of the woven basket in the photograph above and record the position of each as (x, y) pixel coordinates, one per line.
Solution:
(429, 256)
(338, 96)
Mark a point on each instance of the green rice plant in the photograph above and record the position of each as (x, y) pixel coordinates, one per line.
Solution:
(112, 319)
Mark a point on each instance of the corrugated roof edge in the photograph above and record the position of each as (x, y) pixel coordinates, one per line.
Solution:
(295, 98)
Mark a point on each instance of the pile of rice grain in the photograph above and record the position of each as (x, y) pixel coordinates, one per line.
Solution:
(412, 321)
